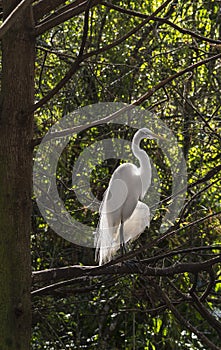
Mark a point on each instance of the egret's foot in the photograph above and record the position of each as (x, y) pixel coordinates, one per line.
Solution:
(132, 264)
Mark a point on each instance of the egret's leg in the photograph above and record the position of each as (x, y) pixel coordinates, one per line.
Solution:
(122, 243)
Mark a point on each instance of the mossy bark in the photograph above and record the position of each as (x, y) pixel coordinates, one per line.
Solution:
(16, 125)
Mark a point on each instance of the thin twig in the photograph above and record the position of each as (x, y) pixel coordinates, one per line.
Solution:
(170, 253)
(161, 20)
(78, 273)
(13, 16)
(43, 7)
(198, 305)
(187, 31)
(174, 76)
(116, 114)
(185, 322)
(155, 242)
(81, 58)
(210, 285)
(73, 10)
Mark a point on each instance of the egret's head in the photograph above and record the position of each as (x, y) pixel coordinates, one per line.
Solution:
(147, 133)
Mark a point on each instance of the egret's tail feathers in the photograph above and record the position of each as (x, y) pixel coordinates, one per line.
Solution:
(106, 245)
(107, 240)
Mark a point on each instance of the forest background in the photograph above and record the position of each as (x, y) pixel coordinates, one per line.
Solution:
(59, 56)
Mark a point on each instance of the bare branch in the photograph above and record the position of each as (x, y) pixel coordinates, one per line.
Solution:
(116, 114)
(75, 9)
(76, 66)
(174, 76)
(172, 253)
(208, 176)
(162, 21)
(210, 286)
(171, 232)
(131, 12)
(59, 86)
(206, 314)
(85, 31)
(187, 31)
(76, 271)
(190, 103)
(45, 6)
(81, 58)
(124, 10)
(185, 322)
(197, 194)
(13, 16)
(68, 12)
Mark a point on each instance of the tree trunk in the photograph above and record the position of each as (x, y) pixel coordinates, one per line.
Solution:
(17, 96)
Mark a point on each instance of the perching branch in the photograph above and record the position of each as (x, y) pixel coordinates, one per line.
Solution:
(76, 271)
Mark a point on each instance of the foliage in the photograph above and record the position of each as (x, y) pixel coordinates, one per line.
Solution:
(129, 311)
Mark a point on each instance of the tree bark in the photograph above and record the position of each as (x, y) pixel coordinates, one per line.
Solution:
(16, 125)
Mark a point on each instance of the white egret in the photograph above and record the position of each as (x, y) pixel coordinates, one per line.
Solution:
(123, 216)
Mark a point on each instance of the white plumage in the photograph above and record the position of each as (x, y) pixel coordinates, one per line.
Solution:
(123, 217)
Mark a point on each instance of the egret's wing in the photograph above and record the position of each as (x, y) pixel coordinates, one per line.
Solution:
(137, 222)
(107, 240)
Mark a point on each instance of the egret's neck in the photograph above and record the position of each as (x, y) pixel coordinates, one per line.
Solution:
(145, 166)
